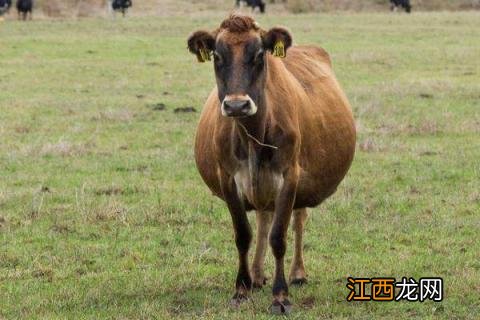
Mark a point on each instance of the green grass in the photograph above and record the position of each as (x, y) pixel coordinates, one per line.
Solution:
(103, 214)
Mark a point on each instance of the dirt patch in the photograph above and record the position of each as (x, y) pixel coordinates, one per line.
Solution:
(426, 95)
(184, 110)
(157, 106)
(109, 191)
(45, 273)
(62, 228)
(22, 129)
(428, 153)
(307, 302)
(116, 190)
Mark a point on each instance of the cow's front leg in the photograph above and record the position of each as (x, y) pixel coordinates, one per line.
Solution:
(243, 238)
(278, 239)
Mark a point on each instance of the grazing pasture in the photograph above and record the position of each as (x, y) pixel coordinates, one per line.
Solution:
(103, 213)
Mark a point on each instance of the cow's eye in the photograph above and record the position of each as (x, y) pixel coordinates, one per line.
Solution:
(217, 58)
(258, 57)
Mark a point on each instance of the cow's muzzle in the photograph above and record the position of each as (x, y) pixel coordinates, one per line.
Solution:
(238, 106)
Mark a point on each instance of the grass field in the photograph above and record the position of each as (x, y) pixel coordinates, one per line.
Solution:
(103, 214)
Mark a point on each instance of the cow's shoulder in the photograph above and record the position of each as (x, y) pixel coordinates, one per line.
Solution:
(309, 65)
(306, 54)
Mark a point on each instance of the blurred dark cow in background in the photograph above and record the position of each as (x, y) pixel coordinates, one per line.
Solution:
(24, 7)
(5, 6)
(121, 5)
(405, 4)
(253, 3)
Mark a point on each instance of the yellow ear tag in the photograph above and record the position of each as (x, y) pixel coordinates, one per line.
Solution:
(279, 49)
(204, 55)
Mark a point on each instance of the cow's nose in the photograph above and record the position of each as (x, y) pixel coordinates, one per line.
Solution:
(237, 108)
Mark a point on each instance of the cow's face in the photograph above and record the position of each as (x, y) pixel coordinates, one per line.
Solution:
(239, 51)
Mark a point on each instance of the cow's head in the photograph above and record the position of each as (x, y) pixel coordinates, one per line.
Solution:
(239, 49)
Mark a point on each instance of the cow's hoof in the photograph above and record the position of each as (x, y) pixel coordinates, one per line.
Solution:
(237, 300)
(281, 308)
(299, 282)
(258, 284)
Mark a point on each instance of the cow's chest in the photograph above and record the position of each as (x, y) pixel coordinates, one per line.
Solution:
(259, 188)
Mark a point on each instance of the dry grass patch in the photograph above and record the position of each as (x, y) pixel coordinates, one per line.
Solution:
(427, 127)
(372, 57)
(65, 149)
(43, 272)
(369, 145)
(111, 211)
(3, 221)
(72, 8)
(121, 115)
(22, 129)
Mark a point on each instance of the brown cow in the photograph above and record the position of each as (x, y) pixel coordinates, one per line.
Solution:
(275, 135)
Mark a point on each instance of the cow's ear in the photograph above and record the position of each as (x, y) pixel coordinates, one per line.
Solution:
(201, 43)
(277, 40)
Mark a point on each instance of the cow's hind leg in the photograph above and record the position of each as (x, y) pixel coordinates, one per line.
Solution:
(297, 270)
(264, 219)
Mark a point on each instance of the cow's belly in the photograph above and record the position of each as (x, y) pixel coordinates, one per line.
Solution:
(311, 191)
(262, 196)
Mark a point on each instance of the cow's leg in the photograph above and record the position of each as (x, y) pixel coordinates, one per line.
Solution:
(243, 238)
(262, 7)
(297, 270)
(278, 240)
(264, 219)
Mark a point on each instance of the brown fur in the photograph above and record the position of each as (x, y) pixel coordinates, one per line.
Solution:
(303, 112)
(305, 100)
(239, 24)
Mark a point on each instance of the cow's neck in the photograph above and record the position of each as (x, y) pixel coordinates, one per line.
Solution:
(251, 132)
